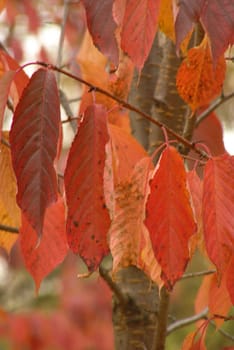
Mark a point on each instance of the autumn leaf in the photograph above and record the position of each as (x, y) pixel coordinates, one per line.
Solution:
(7, 239)
(34, 137)
(126, 152)
(41, 259)
(216, 17)
(127, 224)
(169, 217)
(219, 299)
(87, 218)
(191, 343)
(139, 28)
(20, 78)
(218, 208)
(2, 4)
(198, 81)
(9, 211)
(195, 186)
(5, 84)
(102, 27)
(94, 68)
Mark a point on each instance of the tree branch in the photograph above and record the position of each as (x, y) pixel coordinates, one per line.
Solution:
(187, 321)
(218, 102)
(125, 104)
(197, 274)
(161, 331)
(9, 229)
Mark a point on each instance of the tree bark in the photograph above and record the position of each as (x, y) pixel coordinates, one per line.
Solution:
(140, 318)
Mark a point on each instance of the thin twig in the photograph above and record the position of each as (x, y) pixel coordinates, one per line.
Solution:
(62, 35)
(125, 104)
(197, 274)
(187, 321)
(220, 100)
(9, 229)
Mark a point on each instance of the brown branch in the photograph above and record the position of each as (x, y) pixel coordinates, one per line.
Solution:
(125, 104)
(218, 102)
(9, 229)
(161, 331)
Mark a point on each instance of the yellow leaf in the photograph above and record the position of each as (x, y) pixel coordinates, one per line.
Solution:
(9, 211)
(7, 239)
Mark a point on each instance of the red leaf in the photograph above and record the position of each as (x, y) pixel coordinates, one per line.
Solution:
(102, 27)
(210, 132)
(139, 28)
(169, 217)
(34, 137)
(88, 219)
(216, 17)
(41, 260)
(20, 78)
(218, 209)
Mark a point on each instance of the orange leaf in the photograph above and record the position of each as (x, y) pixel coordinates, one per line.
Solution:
(9, 211)
(88, 218)
(198, 81)
(219, 299)
(20, 78)
(94, 67)
(195, 185)
(169, 217)
(127, 225)
(190, 343)
(41, 259)
(218, 209)
(5, 84)
(126, 152)
(7, 239)
(2, 4)
(34, 137)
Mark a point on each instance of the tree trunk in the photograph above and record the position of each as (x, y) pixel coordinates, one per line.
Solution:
(140, 318)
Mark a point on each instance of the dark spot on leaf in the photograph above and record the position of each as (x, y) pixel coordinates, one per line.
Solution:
(76, 223)
(92, 237)
(104, 206)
